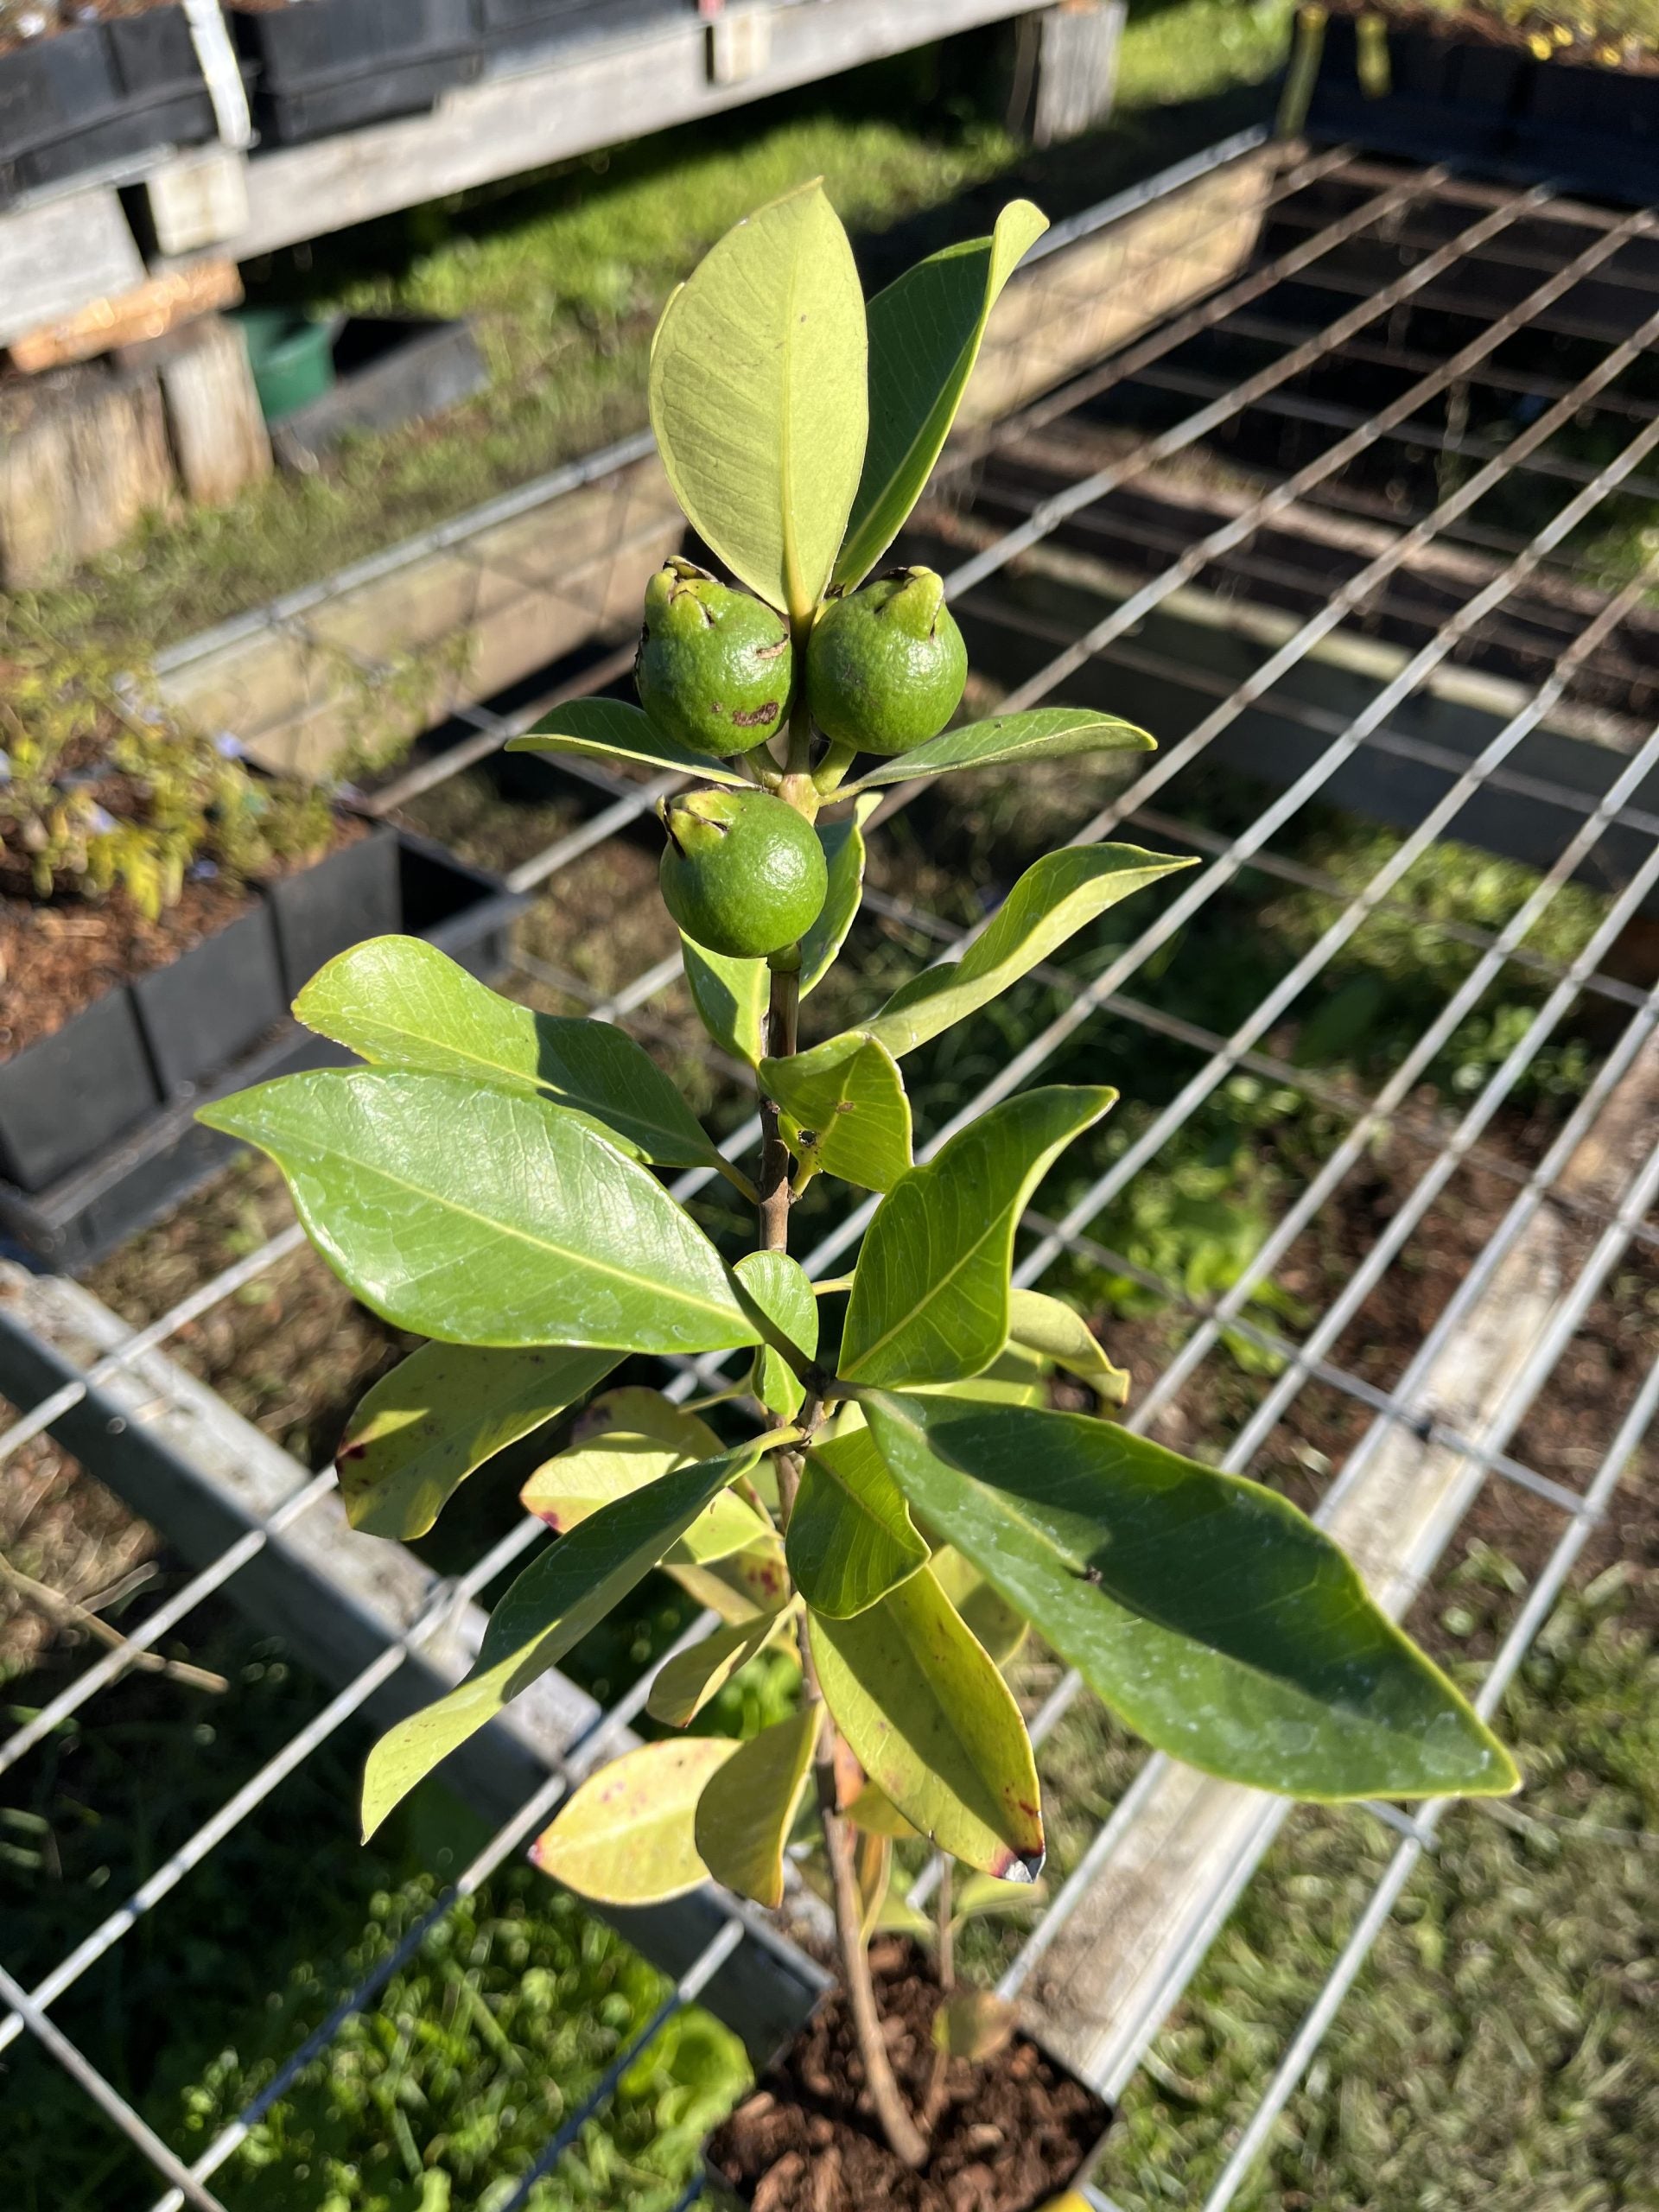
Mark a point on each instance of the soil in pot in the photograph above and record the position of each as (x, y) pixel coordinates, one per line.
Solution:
(1013, 2132)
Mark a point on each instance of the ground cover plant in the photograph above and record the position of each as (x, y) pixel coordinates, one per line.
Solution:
(484, 1181)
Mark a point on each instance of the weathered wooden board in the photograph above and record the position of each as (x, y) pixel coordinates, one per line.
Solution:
(150, 309)
(83, 456)
(56, 257)
(218, 430)
(586, 99)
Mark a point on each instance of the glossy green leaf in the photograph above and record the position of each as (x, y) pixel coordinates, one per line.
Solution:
(685, 1684)
(934, 1726)
(1014, 1377)
(750, 1804)
(925, 331)
(780, 1288)
(1045, 734)
(423, 1428)
(401, 1003)
(628, 1835)
(759, 396)
(981, 1897)
(730, 996)
(843, 853)
(1054, 899)
(478, 1217)
(930, 1300)
(843, 1109)
(562, 1594)
(1045, 1325)
(1212, 1616)
(851, 1538)
(608, 729)
(990, 1618)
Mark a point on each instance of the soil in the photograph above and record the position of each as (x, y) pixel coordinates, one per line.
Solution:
(57, 959)
(71, 13)
(1013, 2132)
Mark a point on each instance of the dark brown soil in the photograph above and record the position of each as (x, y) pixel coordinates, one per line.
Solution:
(1013, 2132)
(73, 13)
(55, 959)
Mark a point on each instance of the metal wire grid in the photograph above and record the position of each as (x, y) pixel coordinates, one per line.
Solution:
(1385, 195)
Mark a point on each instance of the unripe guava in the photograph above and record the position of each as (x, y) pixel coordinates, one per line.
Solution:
(744, 874)
(887, 664)
(715, 665)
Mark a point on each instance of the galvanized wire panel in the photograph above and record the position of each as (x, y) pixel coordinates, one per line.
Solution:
(1388, 561)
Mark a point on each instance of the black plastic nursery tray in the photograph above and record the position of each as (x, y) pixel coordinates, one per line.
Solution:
(97, 94)
(528, 27)
(1484, 104)
(331, 65)
(118, 1088)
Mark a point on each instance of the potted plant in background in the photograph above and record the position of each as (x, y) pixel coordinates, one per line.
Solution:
(882, 1491)
(161, 900)
(1567, 89)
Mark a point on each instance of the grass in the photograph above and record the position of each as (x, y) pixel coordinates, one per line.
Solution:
(564, 274)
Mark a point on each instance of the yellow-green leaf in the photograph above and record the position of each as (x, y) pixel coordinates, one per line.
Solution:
(609, 729)
(685, 1684)
(730, 996)
(929, 1300)
(1055, 897)
(1044, 734)
(759, 397)
(843, 1109)
(1043, 1325)
(925, 331)
(628, 1835)
(423, 1428)
(850, 1537)
(935, 1727)
(562, 1594)
(564, 1490)
(843, 853)
(749, 1806)
(990, 1618)
(780, 1288)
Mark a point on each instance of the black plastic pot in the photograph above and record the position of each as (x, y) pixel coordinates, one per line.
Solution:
(331, 65)
(1485, 105)
(212, 1005)
(353, 893)
(126, 1155)
(97, 94)
(388, 370)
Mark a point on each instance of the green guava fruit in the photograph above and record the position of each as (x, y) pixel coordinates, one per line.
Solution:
(715, 665)
(743, 874)
(887, 664)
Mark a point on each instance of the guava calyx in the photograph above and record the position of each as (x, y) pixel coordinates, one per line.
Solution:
(715, 668)
(887, 665)
(743, 874)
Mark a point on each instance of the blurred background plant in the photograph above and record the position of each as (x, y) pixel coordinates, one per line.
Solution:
(103, 790)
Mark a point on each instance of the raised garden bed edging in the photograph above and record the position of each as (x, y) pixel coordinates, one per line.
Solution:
(1475, 102)
(128, 1150)
(333, 65)
(95, 94)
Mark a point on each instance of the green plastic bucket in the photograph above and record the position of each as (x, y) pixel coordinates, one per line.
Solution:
(291, 357)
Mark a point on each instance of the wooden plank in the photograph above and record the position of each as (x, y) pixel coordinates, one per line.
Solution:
(56, 257)
(150, 309)
(213, 416)
(583, 98)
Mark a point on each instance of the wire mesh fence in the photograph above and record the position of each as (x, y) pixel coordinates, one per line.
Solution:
(1401, 1137)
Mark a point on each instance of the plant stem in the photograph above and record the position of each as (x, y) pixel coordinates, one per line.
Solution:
(907, 2140)
(944, 1905)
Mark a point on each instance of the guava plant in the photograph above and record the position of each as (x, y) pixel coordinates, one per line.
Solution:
(490, 1180)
